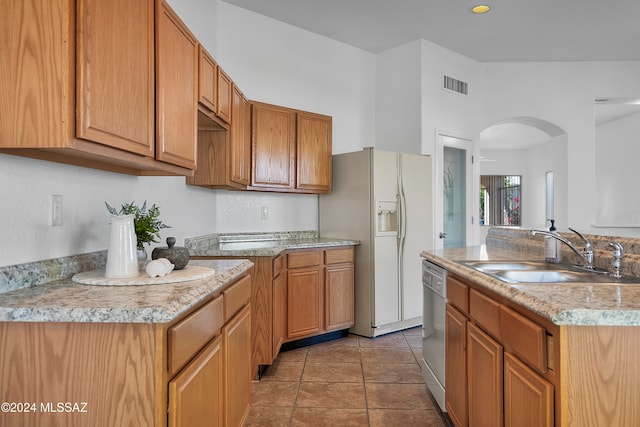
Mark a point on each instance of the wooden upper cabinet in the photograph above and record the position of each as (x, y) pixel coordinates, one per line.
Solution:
(225, 95)
(176, 89)
(291, 150)
(79, 86)
(240, 151)
(115, 74)
(273, 147)
(224, 156)
(207, 81)
(313, 156)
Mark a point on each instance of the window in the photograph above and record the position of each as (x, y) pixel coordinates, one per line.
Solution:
(500, 200)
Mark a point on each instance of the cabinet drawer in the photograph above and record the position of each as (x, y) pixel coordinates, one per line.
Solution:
(278, 266)
(337, 256)
(486, 312)
(236, 296)
(304, 259)
(524, 338)
(458, 294)
(189, 335)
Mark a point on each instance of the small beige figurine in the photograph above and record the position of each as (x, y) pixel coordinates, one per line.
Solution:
(159, 267)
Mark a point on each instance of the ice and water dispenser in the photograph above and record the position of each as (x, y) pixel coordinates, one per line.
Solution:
(387, 221)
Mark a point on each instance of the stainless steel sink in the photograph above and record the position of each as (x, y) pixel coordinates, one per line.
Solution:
(542, 272)
(513, 265)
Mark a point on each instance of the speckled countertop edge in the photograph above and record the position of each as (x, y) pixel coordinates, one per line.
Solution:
(264, 247)
(66, 301)
(562, 303)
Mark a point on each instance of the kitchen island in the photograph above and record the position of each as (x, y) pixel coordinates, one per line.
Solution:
(77, 355)
(553, 354)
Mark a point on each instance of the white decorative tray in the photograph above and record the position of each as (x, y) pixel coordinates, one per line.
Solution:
(190, 272)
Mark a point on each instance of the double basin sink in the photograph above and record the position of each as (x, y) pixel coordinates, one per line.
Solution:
(544, 272)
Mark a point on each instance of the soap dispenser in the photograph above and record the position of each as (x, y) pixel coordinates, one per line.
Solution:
(552, 245)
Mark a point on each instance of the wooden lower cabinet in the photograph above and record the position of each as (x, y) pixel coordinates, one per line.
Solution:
(339, 300)
(298, 294)
(484, 378)
(192, 372)
(304, 302)
(456, 401)
(237, 367)
(528, 398)
(487, 385)
(279, 307)
(320, 291)
(196, 393)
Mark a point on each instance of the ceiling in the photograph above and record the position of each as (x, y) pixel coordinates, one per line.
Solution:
(514, 30)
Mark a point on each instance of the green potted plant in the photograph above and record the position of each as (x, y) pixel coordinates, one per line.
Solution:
(146, 223)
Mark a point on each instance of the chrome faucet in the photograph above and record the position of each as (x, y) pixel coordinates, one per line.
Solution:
(586, 253)
(618, 253)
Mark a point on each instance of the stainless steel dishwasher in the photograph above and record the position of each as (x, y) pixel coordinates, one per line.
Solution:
(434, 280)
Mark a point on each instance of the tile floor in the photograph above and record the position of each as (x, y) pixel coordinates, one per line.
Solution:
(352, 381)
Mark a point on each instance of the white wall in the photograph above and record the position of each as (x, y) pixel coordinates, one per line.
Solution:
(399, 99)
(271, 62)
(275, 62)
(617, 154)
(562, 93)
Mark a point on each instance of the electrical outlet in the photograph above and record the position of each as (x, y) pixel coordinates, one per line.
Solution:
(56, 210)
(264, 212)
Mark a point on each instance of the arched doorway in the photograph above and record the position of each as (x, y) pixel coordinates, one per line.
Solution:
(534, 150)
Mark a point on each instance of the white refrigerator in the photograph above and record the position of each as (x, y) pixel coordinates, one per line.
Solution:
(383, 199)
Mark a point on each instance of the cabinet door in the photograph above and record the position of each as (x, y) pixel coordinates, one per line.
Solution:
(528, 398)
(273, 146)
(313, 152)
(115, 74)
(207, 80)
(240, 152)
(456, 363)
(176, 89)
(484, 379)
(279, 312)
(195, 394)
(225, 95)
(339, 296)
(304, 302)
(237, 367)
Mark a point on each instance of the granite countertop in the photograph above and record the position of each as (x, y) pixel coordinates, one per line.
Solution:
(260, 244)
(66, 301)
(562, 303)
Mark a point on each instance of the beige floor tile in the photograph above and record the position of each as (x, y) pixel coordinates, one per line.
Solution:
(284, 371)
(397, 396)
(333, 372)
(390, 340)
(297, 355)
(320, 417)
(347, 382)
(415, 341)
(387, 355)
(333, 354)
(405, 418)
(268, 416)
(331, 395)
(408, 373)
(274, 393)
(413, 331)
(348, 341)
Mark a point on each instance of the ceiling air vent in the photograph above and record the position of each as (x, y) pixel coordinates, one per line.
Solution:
(456, 85)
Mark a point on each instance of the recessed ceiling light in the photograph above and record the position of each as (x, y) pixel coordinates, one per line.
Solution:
(481, 8)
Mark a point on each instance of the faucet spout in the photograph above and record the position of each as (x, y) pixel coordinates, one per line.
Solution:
(586, 254)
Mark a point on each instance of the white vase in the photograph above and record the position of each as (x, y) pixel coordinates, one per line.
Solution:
(122, 258)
